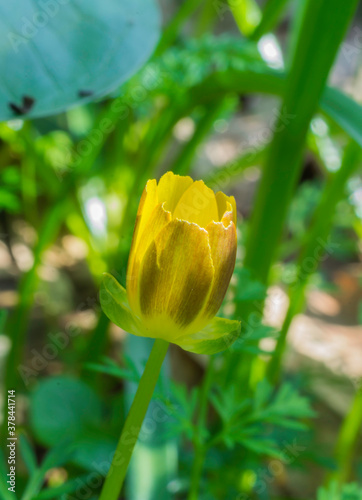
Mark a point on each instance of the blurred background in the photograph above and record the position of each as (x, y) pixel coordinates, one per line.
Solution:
(195, 87)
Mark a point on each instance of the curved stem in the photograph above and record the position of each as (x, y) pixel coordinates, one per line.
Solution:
(117, 472)
(199, 445)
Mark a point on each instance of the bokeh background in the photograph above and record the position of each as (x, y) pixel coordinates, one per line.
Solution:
(70, 183)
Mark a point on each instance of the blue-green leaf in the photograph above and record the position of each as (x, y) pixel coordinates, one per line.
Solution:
(59, 53)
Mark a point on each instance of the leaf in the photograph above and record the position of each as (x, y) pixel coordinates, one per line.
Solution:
(335, 492)
(111, 368)
(57, 54)
(217, 336)
(346, 112)
(284, 406)
(62, 406)
(262, 447)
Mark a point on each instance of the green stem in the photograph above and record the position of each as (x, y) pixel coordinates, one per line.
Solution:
(347, 440)
(196, 473)
(199, 444)
(171, 32)
(272, 12)
(315, 248)
(322, 29)
(305, 84)
(117, 472)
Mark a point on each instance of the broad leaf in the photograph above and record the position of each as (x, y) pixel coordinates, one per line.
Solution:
(62, 406)
(59, 53)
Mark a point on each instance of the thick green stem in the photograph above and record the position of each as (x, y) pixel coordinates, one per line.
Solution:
(324, 23)
(117, 472)
(199, 444)
(305, 84)
(315, 248)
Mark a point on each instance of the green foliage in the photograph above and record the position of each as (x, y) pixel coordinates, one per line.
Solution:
(10, 190)
(245, 421)
(110, 367)
(335, 492)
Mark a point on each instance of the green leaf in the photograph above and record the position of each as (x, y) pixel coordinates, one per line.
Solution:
(336, 492)
(346, 112)
(60, 54)
(62, 406)
(217, 336)
(111, 368)
(247, 15)
(114, 302)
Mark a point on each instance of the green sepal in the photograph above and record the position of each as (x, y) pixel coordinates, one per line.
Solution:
(114, 302)
(217, 336)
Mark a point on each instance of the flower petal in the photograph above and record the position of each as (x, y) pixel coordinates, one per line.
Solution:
(198, 205)
(170, 189)
(175, 278)
(158, 219)
(223, 205)
(217, 336)
(228, 215)
(223, 253)
(113, 298)
(145, 208)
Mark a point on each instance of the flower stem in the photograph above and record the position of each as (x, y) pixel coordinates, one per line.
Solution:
(199, 445)
(117, 472)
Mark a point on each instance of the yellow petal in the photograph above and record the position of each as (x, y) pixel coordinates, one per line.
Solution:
(145, 208)
(223, 253)
(198, 205)
(147, 203)
(175, 280)
(228, 215)
(223, 202)
(170, 189)
(155, 222)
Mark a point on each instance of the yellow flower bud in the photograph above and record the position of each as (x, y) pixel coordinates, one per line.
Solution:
(181, 261)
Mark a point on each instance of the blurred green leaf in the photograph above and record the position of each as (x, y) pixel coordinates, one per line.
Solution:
(111, 368)
(62, 406)
(59, 54)
(335, 492)
(344, 111)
